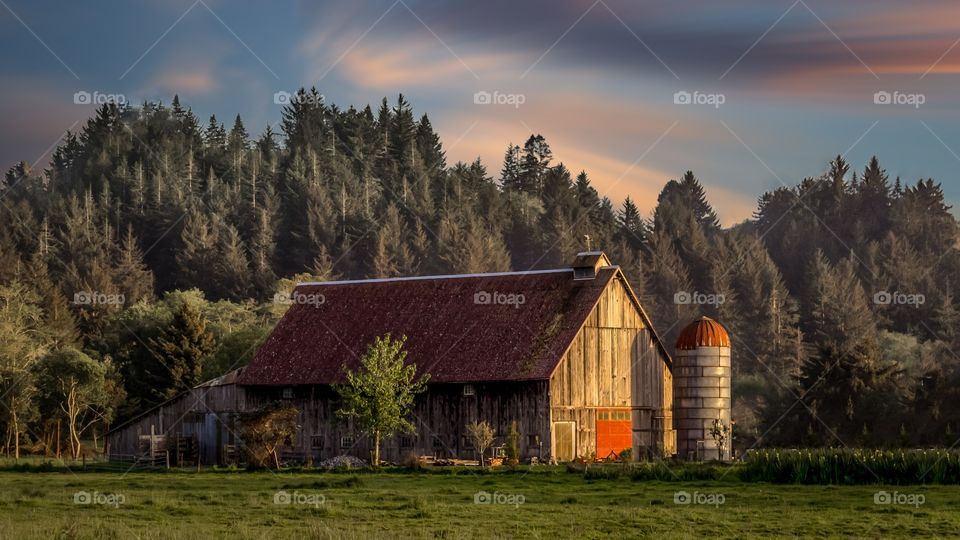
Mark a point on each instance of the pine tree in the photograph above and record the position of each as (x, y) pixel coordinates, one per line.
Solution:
(631, 228)
(198, 251)
(534, 164)
(182, 348)
(131, 275)
(232, 269)
(510, 174)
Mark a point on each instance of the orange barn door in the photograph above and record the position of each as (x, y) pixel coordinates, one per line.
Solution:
(614, 432)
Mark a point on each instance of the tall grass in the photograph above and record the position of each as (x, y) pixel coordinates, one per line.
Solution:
(852, 466)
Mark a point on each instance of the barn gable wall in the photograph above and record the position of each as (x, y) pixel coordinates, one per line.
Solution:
(614, 362)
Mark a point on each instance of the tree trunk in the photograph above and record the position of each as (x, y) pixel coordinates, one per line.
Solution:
(16, 435)
(376, 448)
(6, 442)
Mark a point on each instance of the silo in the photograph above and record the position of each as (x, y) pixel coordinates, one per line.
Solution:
(701, 390)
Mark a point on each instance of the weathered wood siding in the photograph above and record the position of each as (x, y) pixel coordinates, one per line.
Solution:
(614, 362)
(206, 413)
(440, 417)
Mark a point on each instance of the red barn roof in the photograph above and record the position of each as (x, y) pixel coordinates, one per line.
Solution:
(464, 328)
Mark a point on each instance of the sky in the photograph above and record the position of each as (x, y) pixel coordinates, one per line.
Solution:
(750, 95)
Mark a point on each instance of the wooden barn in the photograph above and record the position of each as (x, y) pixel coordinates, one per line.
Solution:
(567, 354)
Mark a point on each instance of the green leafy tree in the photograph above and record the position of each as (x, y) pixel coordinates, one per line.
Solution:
(22, 343)
(380, 395)
(72, 385)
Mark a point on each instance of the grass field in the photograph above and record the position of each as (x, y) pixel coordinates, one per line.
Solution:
(549, 503)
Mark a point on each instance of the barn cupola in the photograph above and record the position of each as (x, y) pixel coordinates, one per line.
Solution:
(587, 263)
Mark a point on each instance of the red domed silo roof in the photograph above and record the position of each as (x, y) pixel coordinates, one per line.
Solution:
(703, 332)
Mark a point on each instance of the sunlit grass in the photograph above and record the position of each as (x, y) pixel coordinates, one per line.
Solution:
(544, 503)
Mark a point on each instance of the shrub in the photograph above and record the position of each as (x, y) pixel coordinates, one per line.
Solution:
(512, 449)
(412, 460)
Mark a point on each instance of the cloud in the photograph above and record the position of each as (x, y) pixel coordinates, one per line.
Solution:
(190, 82)
(387, 67)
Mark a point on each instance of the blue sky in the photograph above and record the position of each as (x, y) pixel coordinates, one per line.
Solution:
(797, 79)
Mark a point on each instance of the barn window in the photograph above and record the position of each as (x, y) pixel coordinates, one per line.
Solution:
(533, 440)
(288, 393)
(406, 441)
(469, 390)
(346, 442)
(316, 442)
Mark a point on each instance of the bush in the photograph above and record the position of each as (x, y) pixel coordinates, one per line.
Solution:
(512, 449)
(411, 460)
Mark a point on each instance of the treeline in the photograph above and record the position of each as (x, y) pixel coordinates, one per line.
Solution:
(153, 247)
